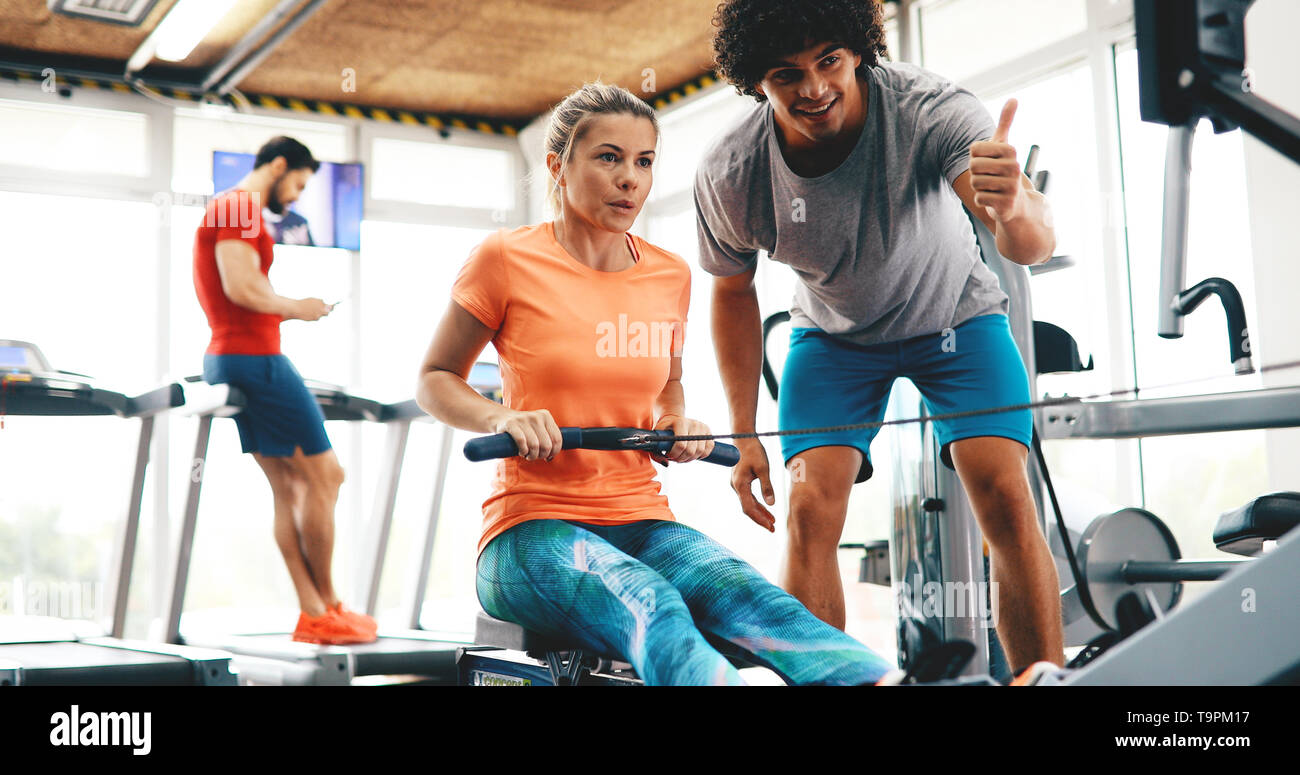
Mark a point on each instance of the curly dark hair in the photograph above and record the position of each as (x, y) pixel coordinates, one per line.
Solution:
(752, 34)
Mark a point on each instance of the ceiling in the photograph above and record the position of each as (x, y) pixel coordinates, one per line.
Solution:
(501, 60)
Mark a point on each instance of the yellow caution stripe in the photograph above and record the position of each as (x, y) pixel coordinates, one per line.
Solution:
(297, 105)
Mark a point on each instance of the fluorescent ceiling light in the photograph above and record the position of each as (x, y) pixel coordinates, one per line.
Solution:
(188, 22)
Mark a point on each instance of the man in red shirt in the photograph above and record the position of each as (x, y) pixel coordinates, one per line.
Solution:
(282, 426)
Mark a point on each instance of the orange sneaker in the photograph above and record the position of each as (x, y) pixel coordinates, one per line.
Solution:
(362, 622)
(329, 629)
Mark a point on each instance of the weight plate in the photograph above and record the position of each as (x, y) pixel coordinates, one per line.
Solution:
(1109, 542)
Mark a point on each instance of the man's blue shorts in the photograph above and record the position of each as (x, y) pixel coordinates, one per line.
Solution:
(828, 381)
(281, 414)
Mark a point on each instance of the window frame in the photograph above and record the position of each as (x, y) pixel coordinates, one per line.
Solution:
(136, 188)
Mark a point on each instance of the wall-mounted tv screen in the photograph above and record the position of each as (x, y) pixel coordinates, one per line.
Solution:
(328, 214)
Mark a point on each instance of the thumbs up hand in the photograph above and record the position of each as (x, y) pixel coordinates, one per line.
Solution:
(1000, 188)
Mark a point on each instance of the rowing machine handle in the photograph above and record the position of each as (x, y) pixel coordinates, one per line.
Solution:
(500, 445)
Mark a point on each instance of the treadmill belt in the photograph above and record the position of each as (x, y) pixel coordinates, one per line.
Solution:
(82, 664)
(386, 656)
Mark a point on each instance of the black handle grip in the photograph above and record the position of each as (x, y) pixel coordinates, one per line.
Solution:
(1233, 309)
(501, 445)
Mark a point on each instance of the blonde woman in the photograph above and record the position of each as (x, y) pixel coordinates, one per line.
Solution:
(580, 544)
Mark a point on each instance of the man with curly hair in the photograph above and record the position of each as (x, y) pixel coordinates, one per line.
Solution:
(853, 171)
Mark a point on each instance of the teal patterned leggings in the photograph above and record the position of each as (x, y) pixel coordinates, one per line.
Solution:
(667, 599)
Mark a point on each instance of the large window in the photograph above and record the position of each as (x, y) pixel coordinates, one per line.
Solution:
(406, 275)
(1189, 480)
(686, 133)
(429, 173)
(74, 139)
(960, 38)
(1056, 114)
(1227, 469)
(1218, 244)
(74, 271)
(1072, 298)
(200, 131)
(188, 334)
(321, 349)
(62, 513)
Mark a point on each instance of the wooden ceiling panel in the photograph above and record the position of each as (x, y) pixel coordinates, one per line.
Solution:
(499, 59)
(30, 25)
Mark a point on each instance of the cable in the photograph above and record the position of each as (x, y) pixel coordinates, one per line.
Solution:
(1061, 401)
(1084, 596)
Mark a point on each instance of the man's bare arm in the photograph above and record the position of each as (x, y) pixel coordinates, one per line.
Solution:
(245, 285)
(998, 193)
(738, 344)
(1028, 240)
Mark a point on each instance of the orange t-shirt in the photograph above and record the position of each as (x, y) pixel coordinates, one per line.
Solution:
(594, 349)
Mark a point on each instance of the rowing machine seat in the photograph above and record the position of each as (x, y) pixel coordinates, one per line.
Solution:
(1267, 518)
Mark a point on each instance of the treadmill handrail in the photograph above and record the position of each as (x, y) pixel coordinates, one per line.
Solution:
(225, 400)
(338, 404)
(46, 388)
(406, 410)
(156, 401)
(202, 399)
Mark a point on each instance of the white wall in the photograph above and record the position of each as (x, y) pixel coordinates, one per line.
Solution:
(532, 139)
(1273, 183)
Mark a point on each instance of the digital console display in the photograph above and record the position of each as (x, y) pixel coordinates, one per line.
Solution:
(13, 358)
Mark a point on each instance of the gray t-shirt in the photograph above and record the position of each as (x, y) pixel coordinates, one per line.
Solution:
(881, 244)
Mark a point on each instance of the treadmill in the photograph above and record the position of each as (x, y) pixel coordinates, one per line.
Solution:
(273, 657)
(485, 377)
(53, 652)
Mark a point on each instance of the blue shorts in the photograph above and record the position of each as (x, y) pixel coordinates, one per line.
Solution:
(281, 414)
(829, 381)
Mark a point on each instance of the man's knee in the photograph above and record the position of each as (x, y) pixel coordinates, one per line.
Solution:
(1006, 504)
(815, 527)
(323, 474)
(817, 509)
(334, 475)
(331, 472)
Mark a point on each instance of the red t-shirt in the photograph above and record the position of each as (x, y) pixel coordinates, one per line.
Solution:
(236, 330)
